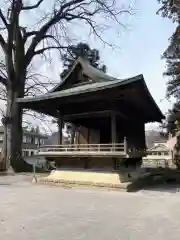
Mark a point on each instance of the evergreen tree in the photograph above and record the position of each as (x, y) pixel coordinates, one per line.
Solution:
(170, 9)
(81, 50)
(172, 57)
(173, 119)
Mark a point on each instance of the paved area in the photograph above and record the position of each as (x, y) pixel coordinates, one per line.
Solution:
(30, 211)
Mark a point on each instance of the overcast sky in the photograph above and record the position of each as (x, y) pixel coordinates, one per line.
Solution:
(139, 49)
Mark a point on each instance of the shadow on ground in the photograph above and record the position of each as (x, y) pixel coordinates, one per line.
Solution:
(157, 180)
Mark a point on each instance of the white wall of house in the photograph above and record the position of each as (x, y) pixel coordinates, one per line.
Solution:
(29, 152)
(33, 140)
(30, 143)
(159, 143)
(1, 137)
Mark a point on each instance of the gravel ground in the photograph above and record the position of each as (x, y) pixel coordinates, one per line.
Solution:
(29, 211)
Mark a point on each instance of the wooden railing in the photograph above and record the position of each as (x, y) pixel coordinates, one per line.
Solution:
(110, 147)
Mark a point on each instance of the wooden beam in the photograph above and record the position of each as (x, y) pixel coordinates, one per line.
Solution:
(121, 115)
(60, 121)
(87, 114)
(113, 126)
(93, 114)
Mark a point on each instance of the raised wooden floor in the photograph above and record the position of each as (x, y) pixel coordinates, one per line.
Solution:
(90, 150)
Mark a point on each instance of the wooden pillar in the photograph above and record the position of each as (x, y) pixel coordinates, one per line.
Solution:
(125, 145)
(113, 127)
(60, 126)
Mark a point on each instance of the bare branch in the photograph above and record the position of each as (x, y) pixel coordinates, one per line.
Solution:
(41, 51)
(2, 112)
(2, 43)
(73, 10)
(35, 86)
(33, 6)
(3, 73)
(35, 89)
(58, 15)
(29, 34)
(3, 81)
(3, 19)
(43, 119)
(3, 91)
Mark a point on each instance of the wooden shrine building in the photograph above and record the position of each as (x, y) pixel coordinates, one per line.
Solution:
(110, 115)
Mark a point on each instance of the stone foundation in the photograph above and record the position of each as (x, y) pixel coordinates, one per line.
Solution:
(85, 163)
(114, 179)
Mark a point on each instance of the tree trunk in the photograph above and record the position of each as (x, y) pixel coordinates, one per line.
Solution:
(13, 131)
(6, 148)
(3, 162)
(5, 153)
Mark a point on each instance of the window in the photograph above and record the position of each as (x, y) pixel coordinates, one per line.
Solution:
(24, 139)
(25, 153)
(32, 140)
(28, 139)
(1, 137)
(36, 140)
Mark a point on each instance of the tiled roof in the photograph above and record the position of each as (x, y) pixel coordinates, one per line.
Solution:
(158, 148)
(100, 81)
(94, 73)
(90, 87)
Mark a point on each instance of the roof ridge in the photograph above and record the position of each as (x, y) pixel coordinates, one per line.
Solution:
(89, 70)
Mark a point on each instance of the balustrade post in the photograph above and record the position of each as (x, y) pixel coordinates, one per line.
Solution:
(125, 145)
(60, 126)
(113, 130)
(99, 148)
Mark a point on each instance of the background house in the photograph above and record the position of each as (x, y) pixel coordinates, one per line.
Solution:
(159, 149)
(32, 139)
(159, 155)
(154, 137)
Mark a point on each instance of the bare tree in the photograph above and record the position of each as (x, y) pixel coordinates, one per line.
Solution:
(46, 30)
(36, 84)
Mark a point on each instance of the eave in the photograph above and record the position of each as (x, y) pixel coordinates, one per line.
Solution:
(90, 90)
